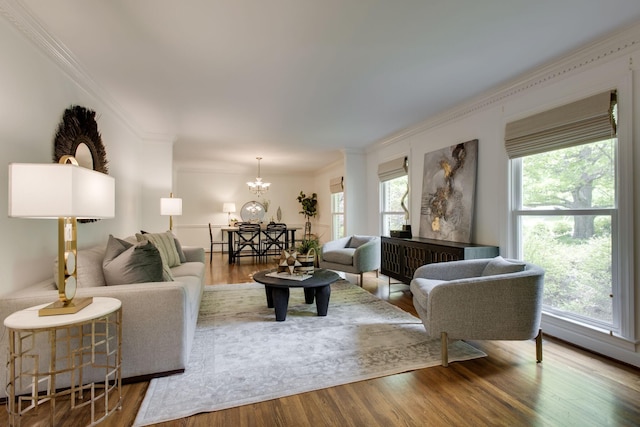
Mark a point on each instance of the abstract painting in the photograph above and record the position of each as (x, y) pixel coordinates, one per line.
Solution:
(448, 192)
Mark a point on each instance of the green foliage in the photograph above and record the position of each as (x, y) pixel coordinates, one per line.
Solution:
(309, 205)
(578, 277)
(306, 245)
(580, 177)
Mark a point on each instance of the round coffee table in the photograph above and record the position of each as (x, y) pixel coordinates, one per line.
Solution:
(317, 286)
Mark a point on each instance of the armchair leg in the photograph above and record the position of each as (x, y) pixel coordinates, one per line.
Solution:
(445, 349)
(361, 278)
(539, 346)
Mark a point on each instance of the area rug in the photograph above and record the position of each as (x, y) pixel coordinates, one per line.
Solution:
(241, 355)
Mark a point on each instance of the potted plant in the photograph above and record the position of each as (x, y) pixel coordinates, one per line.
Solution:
(309, 210)
(307, 253)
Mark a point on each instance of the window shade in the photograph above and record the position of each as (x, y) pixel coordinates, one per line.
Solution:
(581, 122)
(393, 169)
(336, 185)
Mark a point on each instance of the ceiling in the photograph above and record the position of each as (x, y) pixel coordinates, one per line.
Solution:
(296, 81)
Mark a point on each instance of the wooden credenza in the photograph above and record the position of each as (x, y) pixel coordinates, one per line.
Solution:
(401, 257)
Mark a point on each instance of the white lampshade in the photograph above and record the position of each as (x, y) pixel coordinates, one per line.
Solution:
(228, 207)
(170, 206)
(54, 190)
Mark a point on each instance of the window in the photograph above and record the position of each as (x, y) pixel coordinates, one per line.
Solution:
(565, 212)
(337, 215)
(392, 194)
(336, 187)
(394, 191)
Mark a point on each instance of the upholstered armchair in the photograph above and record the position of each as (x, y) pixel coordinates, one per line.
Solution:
(352, 254)
(480, 299)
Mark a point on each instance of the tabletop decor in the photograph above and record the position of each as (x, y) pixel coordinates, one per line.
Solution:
(288, 262)
(307, 251)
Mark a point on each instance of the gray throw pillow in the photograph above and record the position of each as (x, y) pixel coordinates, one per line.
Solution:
(499, 265)
(357, 241)
(125, 263)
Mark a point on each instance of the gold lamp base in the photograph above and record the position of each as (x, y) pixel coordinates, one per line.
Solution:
(70, 307)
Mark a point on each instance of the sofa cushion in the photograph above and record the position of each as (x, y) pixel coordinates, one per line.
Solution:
(125, 263)
(421, 288)
(357, 241)
(88, 267)
(187, 269)
(499, 265)
(339, 256)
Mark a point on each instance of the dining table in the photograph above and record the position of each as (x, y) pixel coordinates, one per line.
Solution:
(290, 239)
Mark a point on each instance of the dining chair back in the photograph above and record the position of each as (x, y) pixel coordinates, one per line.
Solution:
(214, 242)
(275, 238)
(248, 240)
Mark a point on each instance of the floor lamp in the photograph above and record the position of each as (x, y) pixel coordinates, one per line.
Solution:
(170, 206)
(63, 191)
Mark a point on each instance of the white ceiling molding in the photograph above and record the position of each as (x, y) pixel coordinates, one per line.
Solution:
(21, 17)
(616, 45)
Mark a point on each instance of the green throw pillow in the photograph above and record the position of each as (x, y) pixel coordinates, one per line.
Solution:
(126, 263)
(183, 257)
(166, 244)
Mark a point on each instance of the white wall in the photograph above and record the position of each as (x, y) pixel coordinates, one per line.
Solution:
(204, 191)
(35, 93)
(590, 71)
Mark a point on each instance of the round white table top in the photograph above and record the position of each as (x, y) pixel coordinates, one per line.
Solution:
(29, 319)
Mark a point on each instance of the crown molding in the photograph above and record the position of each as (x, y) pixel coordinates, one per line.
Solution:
(617, 44)
(23, 19)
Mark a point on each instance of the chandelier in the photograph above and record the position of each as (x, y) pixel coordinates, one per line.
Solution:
(258, 187)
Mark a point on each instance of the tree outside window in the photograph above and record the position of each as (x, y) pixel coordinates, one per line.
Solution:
(566, 223)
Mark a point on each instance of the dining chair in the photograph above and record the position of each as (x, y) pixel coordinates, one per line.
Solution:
(275, 238)
(215, 242)
(248, 241)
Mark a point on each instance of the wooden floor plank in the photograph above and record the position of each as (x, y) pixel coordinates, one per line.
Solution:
(508, 387)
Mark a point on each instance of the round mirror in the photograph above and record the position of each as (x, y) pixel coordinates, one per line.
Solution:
(252, 212)
(83, 156)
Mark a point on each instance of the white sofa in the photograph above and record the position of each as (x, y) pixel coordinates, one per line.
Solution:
(158, 318)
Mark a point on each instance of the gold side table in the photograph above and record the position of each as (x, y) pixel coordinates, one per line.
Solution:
(72, 356)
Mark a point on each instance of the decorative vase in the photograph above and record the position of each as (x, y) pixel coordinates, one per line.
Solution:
(307, 262)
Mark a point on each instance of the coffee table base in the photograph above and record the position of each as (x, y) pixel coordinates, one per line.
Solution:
(278, 298)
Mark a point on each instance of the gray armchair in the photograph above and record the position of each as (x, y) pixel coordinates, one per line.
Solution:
(481, 299)
(352, 254)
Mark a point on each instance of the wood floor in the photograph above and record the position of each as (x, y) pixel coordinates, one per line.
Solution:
(508, 388)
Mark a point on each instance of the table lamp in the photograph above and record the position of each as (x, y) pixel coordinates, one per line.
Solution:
(64, 191)
(229, 208)
(170, 206)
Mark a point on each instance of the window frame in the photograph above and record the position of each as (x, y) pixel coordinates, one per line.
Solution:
(335, 214)
(383, 192)
(622, 236)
